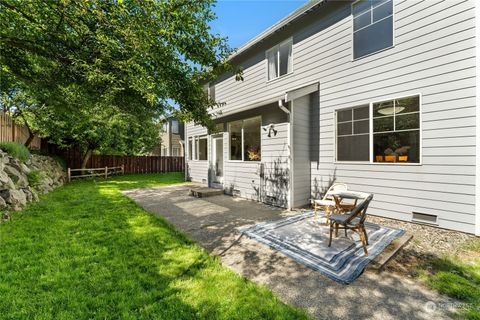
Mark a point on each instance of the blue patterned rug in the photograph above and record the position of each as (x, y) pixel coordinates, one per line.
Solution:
(306, 241)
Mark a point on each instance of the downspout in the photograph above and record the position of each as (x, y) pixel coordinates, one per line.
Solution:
(281, 105)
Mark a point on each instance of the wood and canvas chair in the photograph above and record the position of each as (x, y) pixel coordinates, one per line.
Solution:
(328, 202)
(352, 221)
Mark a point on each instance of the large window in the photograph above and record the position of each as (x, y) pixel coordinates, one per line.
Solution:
(393, 137)
(353, 134)
(245, 139)
(372, 26)
(396, 130)
(279, 60)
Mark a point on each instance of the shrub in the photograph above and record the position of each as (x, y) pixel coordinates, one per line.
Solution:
(34, 177)
(16, 150)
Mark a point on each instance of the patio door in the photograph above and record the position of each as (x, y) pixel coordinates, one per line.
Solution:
(217, 161)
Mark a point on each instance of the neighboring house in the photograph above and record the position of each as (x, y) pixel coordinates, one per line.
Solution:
(172, 137)
(380, 95)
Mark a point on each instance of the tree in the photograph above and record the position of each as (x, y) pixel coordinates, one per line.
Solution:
(103, 130)
(131, 56)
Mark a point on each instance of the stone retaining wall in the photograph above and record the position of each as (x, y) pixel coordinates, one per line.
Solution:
(16, 189)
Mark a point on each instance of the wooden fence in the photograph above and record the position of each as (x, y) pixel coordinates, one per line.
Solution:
(14, 132)
(131, 164)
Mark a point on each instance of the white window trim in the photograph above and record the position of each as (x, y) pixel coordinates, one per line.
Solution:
(196, 146)
(353, 59)
(370, 133)
(276, 47)
(243, 141)
(190, 148)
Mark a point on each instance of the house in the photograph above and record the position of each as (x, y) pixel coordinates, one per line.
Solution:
(172, 139)
(380, 95)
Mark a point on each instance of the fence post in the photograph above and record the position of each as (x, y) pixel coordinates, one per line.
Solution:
(106, 172)
(69, 174)
(123, 169)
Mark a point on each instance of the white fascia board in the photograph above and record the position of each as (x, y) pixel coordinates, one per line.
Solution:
(301, 91)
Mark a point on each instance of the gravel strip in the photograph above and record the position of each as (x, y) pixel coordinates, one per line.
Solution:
(428, 242)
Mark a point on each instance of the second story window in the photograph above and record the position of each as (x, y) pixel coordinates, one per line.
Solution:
(279, 59)
(175, 126)
(372, 26)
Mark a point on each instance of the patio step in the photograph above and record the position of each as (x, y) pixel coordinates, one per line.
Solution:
(383, 258)
(205, 192)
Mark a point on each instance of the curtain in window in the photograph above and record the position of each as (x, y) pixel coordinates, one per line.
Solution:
(272, 56)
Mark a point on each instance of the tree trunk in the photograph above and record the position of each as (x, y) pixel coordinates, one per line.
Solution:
(85, 159)
(30, 138)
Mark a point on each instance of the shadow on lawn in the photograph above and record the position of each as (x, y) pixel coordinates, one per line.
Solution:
(371, 296)
(86, 251)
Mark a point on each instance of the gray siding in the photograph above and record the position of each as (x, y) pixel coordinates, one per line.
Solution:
(266, 180)
(434, 55)
(300, 124)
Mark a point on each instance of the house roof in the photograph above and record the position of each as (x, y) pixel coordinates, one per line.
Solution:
(277, 27)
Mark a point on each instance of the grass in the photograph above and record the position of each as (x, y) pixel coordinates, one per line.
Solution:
(35, 177)
(87, 251)
(16, 150)
(458, 276)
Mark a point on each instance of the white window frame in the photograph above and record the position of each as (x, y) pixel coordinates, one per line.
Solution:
(336, 135)
(277, 48)
(243, 141)
(190, 148)
(197, 147)
(371, 12)
(370, 132)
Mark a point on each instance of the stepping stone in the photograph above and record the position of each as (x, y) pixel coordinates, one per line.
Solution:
(205, 192)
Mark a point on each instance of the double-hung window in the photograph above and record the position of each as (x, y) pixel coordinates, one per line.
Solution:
(372, 26)
(385, 131)
(279, 59)
(245, 139)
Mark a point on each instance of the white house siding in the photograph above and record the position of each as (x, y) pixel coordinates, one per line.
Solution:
(196, 170)
(434, 55)
(301, 136)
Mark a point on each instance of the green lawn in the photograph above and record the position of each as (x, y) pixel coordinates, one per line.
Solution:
(458, 276)
(87, 251)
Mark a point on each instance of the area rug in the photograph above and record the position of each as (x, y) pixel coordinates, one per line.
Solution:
(303, 239)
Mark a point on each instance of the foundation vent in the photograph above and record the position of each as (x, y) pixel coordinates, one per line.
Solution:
(424, 218)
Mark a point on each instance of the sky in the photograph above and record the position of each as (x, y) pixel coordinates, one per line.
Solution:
(241, 20)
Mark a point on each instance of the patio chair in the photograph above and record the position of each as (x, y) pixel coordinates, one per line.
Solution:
(328, 202)
(352, 221)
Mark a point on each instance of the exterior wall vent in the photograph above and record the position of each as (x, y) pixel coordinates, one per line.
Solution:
(424, 218)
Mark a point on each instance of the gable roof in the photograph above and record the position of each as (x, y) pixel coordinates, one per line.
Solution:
(277, 27)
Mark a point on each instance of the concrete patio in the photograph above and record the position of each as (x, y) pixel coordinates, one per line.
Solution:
(213, 223)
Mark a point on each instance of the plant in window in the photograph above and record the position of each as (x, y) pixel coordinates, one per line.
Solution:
(254, 154)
